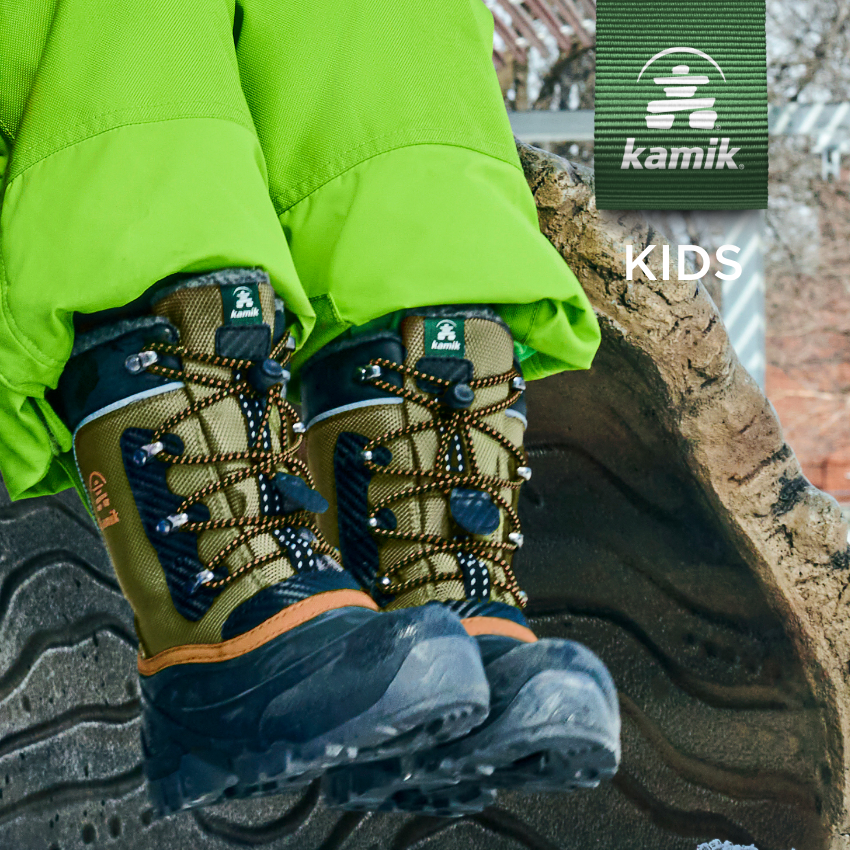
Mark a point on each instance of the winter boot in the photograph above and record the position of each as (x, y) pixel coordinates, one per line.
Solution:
(415, 438)
(262, 662)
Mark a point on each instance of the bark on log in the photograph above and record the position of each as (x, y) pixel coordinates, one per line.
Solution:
(668, 336)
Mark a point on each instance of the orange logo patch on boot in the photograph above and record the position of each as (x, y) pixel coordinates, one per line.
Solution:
(100, 501)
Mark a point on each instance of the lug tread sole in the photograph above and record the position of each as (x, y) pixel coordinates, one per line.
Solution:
(402, 721)
(524, 750)
(200, 781)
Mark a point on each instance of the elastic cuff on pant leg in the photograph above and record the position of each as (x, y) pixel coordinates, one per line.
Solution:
(36, 458)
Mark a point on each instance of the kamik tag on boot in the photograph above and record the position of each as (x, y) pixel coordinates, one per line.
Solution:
(416, 440)
(262, 662)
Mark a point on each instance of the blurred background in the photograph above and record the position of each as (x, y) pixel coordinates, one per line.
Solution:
(789, 313)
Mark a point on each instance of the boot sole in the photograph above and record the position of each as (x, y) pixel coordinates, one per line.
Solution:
(558, 733)
(399, 722)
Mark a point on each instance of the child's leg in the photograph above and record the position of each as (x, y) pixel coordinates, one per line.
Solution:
(134, 156)
(393, 170)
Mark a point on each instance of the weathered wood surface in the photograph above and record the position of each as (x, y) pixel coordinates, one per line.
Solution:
(667, 376)
(668, 527)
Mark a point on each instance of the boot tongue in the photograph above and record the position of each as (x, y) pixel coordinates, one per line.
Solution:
(457, 346)
(230, 313)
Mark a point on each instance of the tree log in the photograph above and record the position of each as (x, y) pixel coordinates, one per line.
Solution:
(667, 382)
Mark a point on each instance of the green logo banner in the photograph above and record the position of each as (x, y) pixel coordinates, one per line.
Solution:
(241, 304)
(681, 105)
(445, 338)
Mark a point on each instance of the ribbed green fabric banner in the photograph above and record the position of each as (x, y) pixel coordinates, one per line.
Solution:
(681, 105)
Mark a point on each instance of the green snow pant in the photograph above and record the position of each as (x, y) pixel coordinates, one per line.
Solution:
(357, 150)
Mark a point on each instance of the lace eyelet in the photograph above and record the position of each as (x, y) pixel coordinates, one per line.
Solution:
(202, 578)
(266, 374)
(136, 363)
(367, 373)
(144, 453)
(458, 396)
(172, 522)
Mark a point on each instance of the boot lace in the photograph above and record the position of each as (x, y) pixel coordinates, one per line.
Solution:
(451, 425)
(260, 461)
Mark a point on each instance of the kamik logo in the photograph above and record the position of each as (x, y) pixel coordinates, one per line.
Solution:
(243, 305)
(444, 337)
(679, 87)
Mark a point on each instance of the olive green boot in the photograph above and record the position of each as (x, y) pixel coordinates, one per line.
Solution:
(262, 662)
(415, 437)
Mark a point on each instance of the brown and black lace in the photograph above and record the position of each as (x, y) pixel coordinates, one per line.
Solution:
(448, 423)
(259, 461)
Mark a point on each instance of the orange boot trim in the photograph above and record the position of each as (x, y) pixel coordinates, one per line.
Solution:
(290, 617)
(498, 626)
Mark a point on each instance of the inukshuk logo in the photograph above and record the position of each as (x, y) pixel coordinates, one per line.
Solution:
(241, 304)
(444, 337)
(244, 299)
(681, 105)
(679, 88)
